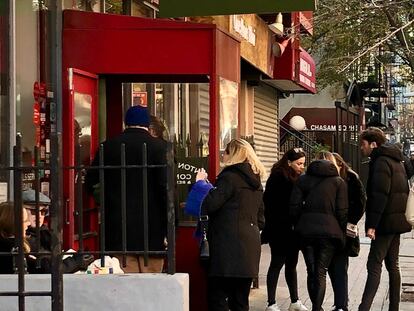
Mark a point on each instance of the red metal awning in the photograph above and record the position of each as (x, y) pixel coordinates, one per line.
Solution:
(294, 71)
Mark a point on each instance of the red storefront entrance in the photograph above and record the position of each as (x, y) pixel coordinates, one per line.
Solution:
(123, 49)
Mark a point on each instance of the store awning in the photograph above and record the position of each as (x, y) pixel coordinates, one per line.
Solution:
(294, 71)
(180, 8)
(125, 45)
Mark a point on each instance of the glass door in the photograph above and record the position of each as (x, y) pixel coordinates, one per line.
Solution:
(80, 145)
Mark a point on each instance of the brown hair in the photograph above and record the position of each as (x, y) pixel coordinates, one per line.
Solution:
(157, 126)
(283, 164)
(7, 229)
(373, 134)
(6, 220)
(325, 155)
(344, 168)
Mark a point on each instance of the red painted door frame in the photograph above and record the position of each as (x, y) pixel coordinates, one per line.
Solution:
(83, 82)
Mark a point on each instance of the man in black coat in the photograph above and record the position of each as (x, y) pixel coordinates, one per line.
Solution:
(43, 241)
(387, 191)
(133, 138)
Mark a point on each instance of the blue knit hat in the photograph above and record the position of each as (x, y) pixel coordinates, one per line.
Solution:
(137, 115)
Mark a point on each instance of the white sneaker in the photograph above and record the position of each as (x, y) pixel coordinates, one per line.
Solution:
(273, 307)
(297, 306)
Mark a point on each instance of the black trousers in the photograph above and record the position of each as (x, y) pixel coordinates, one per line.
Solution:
(290, 260)
(226, 293)
(383, 248)
(318, 254)
(338, 273)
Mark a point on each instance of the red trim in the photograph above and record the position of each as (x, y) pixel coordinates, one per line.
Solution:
(140, 47)
(84, 73)
(80, 83)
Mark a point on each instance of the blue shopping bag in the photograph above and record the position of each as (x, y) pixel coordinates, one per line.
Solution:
(196, 196)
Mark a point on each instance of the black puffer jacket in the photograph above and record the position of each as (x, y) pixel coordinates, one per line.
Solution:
(319, 202)
(387, 190)
(235, 210)
(357, 197)
(276, 197)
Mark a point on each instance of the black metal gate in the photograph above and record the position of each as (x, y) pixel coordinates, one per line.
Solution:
(347, 133)
(56, 216)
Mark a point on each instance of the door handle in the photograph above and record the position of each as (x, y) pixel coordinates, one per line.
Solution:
(67, 222)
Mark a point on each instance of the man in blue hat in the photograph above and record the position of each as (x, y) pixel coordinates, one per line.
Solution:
(134, 136)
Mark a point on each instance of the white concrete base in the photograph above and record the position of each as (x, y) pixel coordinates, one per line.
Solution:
(86, 292)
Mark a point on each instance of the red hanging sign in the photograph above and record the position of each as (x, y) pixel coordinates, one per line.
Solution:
(36, 91)
(36, 113)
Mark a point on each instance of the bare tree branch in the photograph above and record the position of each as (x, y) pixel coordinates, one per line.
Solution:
(376, 45)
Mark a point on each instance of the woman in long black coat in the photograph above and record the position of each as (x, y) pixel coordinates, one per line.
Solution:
(278, 231)
(338, 269)
(319, 204)
(235, 211)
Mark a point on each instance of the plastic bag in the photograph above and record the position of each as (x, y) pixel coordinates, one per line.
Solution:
(409, 211)
(196, 196)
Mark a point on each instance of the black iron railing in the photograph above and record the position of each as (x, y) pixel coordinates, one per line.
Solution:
(292, 138)
(57, 214)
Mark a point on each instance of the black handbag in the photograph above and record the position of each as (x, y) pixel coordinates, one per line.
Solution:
(204, 246)
(353, 246)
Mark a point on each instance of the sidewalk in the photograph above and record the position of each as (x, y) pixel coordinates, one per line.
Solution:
(357, 276)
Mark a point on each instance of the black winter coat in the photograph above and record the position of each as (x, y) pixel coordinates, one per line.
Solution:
(357, 198)
(319, 202)
(387, 190)
(235, 210)
(6, 262)
(409, 169)
(71, 264)
(279, 227)
(133, 138)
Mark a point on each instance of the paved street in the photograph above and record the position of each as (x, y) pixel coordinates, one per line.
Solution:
(357, 276)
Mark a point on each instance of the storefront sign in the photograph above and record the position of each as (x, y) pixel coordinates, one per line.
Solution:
(36, 113)
(179, 8)
(139, 98)
(296, 68)
(307, 70)
(187, 169)
(255, 40)
(306, 21)
(246, 31)
(321, 119)
(329, 127)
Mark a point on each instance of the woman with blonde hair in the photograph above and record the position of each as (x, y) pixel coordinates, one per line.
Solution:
(235, 216)
(338, 269)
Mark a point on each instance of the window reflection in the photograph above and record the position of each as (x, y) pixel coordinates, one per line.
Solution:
(229, 111)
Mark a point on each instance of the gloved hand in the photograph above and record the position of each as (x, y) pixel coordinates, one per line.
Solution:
(77, 262)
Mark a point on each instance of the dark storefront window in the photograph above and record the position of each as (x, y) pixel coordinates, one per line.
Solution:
(184, 108)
